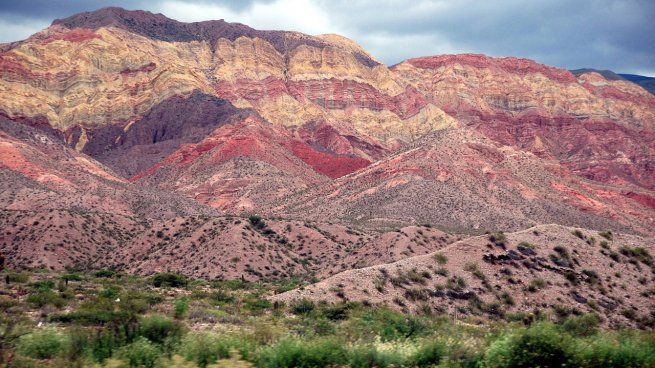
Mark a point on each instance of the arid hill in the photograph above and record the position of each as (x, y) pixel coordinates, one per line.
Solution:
(565, 269)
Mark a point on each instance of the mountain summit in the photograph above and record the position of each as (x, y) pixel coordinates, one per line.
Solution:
(145, 120)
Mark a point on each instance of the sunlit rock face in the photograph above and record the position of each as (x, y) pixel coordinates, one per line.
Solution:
(247, 120)
(600, 129)
(97, 76)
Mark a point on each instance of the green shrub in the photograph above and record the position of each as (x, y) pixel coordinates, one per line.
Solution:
(441, 258)
(578, 234)
(206, 348)
(234, 284)
(169, 279)
(43, 285)
(607, 235)
(336, 312)
(158, 329)
(526, 245)
(507, 299)
(181, 307)
(607, 352)
(111, 292)
(441, 271)
(78, 344)
(585, 325)
(221, 297)
(288, 285)
(638, 253)
(299, 353)
(71, 276)
(141, 353)
(541, 345)
(86, 317)
(365, 356)
(391, 325)
(104, 274)
(103, 343)
(42, 344)
(46, 297)
(536, 284)
(428, 354)
(302, 306)
(257, 222)
(498, 238)
(257, 305)
(17, 278)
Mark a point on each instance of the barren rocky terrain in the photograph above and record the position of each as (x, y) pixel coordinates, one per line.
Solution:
(545, 267)
(140, 144)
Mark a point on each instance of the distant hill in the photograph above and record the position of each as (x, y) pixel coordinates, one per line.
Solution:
(607, 74)
(647, 82)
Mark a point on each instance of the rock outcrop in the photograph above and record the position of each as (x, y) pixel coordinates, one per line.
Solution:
(247, 120)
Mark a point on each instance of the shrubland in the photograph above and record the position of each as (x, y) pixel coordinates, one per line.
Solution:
(107, 319)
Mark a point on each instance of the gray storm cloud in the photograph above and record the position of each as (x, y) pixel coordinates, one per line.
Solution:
(603, 34)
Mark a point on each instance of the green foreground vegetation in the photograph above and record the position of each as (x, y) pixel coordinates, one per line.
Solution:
(106, 319)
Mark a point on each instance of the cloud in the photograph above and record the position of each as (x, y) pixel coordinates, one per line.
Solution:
(604, 34)
(14, 29)
(292, 15)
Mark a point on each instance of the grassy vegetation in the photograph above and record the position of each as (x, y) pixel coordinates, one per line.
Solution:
(107, 319)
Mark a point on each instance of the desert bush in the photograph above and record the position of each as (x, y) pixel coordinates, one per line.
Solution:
(391, 325)
(578, 234)
(441, 271)
(337, 312)
(428, 354)
(541, 345)
(110, 292)
(43, 285)
(204, 348)
(536, 284)
(638, 253)
(365, 356)
(256, 222)
(71, 276)
(302, 306)
(42, 344)
(141, 353)
(181, 307)
(323, 352)
(607, 235)
(46, 297)
(169, 279)
(585, 325)
(507, 299)
(16, 278)
(220, 297)
(104, 274)
(441, 258)
(607, 351)
(158, 329)
(474, 269)
(498, 238)
(256, 304)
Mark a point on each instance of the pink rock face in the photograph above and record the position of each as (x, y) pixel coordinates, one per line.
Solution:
(508, 64)
(602, 130)
(251, 90)
(144, 69)
(238, 118)
(325, 163)
(341, 94)
(327, 93)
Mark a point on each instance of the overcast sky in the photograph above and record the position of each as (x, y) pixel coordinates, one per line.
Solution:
(602, 34)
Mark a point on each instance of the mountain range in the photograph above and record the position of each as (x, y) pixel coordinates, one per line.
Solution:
(132, 141)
